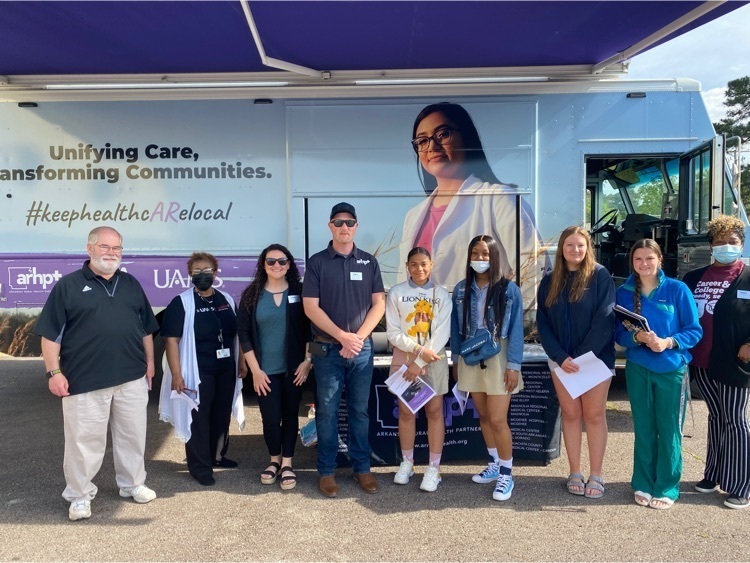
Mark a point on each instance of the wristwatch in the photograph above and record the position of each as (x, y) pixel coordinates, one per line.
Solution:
(53, 373)
(308, 359)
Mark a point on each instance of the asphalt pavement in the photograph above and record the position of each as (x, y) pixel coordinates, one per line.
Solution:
(241, 519)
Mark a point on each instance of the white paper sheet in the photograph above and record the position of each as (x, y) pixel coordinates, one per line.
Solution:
(591, 373)
(462, 397)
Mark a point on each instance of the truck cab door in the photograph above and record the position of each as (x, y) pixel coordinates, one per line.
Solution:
(701, 199)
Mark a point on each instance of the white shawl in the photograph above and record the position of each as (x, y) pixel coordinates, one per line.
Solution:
(176, 411)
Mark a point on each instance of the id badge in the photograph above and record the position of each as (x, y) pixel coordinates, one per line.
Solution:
(222, 353)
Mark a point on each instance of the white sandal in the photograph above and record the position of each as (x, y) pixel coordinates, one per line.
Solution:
(594, 487)
(643, 499)
(665, 503)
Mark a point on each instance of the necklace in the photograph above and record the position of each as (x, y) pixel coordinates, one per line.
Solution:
(114, 289)
(206, 300)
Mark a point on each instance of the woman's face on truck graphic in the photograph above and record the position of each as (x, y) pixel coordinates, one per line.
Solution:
(440, 147)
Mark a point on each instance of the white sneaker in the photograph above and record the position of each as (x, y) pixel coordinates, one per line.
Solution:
(141, 494)
(405, 470)
(79, 510)
(431, 479)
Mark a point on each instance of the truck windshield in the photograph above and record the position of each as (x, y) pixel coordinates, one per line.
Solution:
(640, 185)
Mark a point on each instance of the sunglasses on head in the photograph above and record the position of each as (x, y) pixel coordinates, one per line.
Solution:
(281, 261)
(341, 222)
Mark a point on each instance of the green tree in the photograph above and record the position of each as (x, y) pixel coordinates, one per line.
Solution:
(737, 123)
(648, 198)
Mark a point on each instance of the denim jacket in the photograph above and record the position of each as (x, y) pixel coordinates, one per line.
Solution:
(511, 327)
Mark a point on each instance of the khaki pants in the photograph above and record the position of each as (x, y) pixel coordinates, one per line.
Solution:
(85, 423)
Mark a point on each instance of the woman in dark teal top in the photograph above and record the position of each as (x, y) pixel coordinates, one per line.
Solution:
(274, 334)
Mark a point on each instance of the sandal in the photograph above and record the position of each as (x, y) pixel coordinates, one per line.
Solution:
(661, 503)
(268, 477)
(643, 499)
(288, 482)
(575, 484)
(594, 487)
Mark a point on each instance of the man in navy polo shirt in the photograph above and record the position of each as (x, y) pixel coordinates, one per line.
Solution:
(344, 298)
(96, 331)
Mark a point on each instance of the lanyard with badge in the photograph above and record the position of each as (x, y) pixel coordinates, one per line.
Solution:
(221, 352)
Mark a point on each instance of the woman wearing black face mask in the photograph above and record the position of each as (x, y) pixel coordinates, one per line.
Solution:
(721, 360)
(200, 326)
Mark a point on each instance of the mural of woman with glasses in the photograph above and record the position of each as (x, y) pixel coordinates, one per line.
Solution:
(274, 334)
(465, 199)
(199, 328)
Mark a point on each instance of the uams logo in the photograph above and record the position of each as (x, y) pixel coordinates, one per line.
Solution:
(22, 278)
(171, 278)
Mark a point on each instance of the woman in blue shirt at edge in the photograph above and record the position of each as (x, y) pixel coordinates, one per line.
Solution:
(655, 372)
(574, 316)
(490, 387)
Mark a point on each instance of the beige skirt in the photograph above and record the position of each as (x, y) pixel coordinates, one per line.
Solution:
(436, 374)
(490, 380)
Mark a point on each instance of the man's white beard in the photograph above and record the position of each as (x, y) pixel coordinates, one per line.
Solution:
(106, 266)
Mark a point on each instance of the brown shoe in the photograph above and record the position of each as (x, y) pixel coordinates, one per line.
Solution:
(328, 486)
(367, 482)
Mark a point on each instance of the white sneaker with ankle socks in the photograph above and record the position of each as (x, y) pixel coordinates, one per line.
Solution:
(431, 479)
(405, 470)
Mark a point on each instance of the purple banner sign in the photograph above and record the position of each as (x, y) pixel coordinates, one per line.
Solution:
(27, 279)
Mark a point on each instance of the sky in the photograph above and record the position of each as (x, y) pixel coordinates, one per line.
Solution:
(713, 54)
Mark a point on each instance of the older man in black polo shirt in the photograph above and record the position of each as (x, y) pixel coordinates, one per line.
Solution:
(344, 298)
(98, 350)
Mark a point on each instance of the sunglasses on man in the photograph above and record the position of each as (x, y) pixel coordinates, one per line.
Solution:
(338, 223)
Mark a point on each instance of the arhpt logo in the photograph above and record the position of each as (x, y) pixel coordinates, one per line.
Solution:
(22, 278)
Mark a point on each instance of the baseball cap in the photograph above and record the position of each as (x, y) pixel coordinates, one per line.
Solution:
(343, 207)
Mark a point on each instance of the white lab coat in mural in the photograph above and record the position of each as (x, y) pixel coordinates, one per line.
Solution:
(478, 208)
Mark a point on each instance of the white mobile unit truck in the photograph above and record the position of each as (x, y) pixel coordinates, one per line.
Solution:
(628, 158)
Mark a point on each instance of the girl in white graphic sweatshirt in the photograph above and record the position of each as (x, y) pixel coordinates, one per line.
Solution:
(418, 315)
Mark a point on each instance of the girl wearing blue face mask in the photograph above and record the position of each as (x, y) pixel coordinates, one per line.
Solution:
(483, 300)
(721, 360)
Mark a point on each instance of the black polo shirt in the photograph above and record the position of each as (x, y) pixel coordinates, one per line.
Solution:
(100, 325)
(344, 285)
(211, 315)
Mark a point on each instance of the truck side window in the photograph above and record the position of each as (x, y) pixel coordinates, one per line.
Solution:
(700, 172)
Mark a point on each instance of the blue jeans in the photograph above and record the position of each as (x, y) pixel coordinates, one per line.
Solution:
(332, 374)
